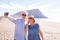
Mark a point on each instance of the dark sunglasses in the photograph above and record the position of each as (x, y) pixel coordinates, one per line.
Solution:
(23, 14)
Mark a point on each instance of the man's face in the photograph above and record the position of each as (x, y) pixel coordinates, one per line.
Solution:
(23, 16)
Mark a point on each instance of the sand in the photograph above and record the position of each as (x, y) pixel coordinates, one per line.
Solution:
(51, 30)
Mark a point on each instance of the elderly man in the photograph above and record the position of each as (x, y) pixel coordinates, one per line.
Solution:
(19, 33)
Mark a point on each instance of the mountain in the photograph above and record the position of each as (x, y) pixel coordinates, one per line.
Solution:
(35, 12)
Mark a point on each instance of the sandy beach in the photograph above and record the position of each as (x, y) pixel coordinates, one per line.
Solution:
(50, 29)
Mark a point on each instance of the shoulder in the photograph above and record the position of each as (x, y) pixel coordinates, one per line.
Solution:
(37, 25)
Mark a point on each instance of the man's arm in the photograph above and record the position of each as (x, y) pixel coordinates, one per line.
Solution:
(12, 20)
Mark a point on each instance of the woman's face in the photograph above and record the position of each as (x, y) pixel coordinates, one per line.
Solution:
(30, 21)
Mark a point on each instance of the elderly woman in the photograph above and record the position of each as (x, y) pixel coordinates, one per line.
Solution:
(34, 31)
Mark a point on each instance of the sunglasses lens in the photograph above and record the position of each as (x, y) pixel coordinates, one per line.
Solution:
(23, 14)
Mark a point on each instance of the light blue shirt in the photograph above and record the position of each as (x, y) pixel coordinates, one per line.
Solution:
(19, 29)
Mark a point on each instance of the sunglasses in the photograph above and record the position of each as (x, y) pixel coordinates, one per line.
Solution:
(23, 14)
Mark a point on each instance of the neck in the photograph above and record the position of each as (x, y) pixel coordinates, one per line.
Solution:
(32, 24)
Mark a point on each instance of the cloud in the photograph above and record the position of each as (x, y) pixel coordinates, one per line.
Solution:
(4, 6)
(17, 6)
(12, 6)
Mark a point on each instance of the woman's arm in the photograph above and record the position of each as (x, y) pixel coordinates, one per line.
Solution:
(40, 33)
(26, 30)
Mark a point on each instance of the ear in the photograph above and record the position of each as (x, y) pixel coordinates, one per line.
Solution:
(34, 20)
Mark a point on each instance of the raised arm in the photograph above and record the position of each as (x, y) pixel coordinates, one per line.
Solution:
(12, 20)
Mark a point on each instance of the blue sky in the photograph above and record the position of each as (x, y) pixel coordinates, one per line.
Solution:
(50, 8)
